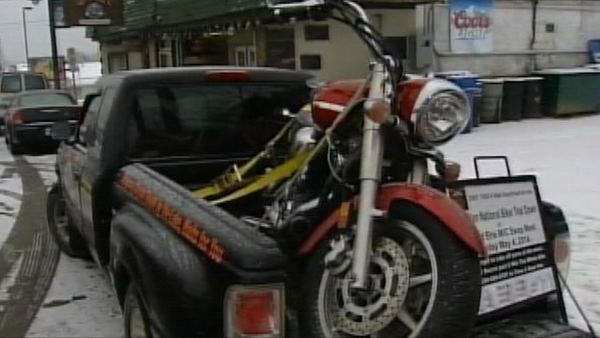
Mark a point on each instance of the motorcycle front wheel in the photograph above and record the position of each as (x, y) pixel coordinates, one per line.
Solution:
(423, 282)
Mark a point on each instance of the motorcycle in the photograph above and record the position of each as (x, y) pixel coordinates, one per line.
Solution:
(378, 248)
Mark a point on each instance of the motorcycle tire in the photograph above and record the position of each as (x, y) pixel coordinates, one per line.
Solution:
(66, 236)
(454, 289)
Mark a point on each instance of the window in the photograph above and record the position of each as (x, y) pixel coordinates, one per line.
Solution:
(33, 82)
(211, 120)
(316, 32)
(164, 60)
(397, 46)
(38, 100)
(10, 84)
(310, 62)
(87, 131)
(200, 50)
(117, 62)
(281, 48)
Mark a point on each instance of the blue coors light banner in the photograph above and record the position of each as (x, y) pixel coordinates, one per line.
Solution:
(471, 26)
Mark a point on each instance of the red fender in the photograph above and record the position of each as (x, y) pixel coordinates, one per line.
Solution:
(441, 206)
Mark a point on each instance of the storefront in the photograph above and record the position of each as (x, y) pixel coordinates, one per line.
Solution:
(516, 38)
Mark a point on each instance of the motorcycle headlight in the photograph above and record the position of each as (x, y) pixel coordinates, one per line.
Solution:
(441, 111)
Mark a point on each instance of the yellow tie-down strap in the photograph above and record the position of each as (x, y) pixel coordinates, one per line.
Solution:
(277, 174)
(234, 178)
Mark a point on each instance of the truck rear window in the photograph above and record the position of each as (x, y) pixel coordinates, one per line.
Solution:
(33, 82)
(10, 84)
(211, 119)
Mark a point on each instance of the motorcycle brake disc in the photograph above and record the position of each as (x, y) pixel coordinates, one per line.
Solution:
(362, 313)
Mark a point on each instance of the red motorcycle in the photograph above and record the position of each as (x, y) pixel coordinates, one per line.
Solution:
(380, 249)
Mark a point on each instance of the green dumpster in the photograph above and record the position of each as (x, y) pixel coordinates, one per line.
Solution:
(570, 91)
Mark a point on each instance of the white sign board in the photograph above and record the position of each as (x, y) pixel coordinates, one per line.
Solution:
(518, 266)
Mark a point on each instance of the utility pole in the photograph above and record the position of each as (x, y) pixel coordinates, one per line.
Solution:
(24, 10)
(1, 57)
(55, 68)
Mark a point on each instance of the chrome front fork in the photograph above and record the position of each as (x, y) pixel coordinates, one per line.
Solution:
(370, 177)
(420, 172)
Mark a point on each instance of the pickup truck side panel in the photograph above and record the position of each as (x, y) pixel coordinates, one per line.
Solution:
(166, 240)
(160, 262)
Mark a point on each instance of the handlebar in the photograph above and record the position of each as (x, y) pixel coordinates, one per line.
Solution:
(354, 15)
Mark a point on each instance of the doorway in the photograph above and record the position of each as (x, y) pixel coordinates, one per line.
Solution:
(245, 56)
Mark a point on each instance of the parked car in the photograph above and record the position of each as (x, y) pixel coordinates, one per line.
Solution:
(32, 115)
(18, 82)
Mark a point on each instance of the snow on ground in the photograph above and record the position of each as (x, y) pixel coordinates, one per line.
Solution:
(45, 166)
(10, 194)
(565, 156)
(80, 302)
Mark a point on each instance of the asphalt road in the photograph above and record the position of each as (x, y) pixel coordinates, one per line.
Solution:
(29, 253)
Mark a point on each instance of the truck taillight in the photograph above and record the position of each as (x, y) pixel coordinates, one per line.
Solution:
(228, 76)
(254, 311)
(16, 117)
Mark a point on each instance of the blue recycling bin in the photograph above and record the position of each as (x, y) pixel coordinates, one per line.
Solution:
(597, 105)
(594, 50)
(472, 87)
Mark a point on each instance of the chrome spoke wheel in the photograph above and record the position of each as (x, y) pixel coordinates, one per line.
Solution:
(402, 287)
(423, 281)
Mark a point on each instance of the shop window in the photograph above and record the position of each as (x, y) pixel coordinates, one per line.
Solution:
(164, 60)
(310, 62)
(316, 32)
(201, 50)
(281, 48)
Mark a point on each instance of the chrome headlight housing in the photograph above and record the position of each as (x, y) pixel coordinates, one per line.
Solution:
(441, 111)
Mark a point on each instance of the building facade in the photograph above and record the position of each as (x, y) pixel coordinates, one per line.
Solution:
(528, 35)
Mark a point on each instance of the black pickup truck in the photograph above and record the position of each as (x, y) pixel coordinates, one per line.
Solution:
(182, 267)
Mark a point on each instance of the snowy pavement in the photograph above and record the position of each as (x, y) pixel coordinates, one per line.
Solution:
(563, 153)
(11, 193)
(80, 302)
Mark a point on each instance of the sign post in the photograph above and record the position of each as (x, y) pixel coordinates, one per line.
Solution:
(519, 268)
(55, 68)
